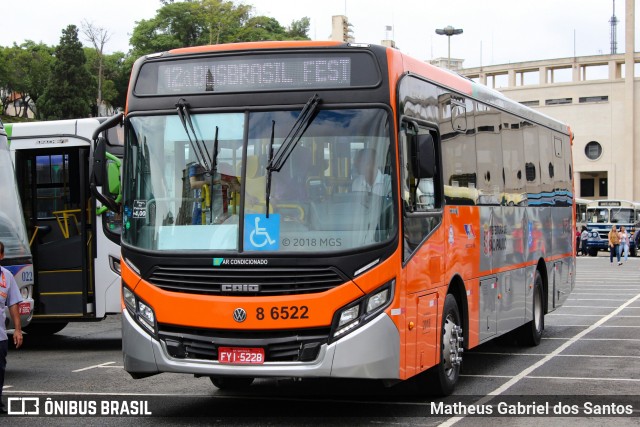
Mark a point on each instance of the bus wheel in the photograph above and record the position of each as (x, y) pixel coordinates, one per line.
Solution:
(531, 333)
(44, 329)
(444, 375)
(231, 383)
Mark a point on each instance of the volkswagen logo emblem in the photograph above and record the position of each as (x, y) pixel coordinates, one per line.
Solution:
(239, 315)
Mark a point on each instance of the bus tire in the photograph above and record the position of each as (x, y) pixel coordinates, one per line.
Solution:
(444, 376)
(530, 333)
(44, 329)
(231, 383)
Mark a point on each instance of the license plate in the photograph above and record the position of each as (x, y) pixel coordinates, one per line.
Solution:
(242, 356)
(24, 308)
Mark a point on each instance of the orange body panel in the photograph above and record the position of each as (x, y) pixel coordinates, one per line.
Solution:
(204, 311)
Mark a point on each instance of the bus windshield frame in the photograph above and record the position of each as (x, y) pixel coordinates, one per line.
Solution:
(319, 202)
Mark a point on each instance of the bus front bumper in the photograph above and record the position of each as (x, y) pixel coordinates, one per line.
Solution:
(372, 351)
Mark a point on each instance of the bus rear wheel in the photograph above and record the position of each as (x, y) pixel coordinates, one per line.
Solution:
(231, 383)
(531, 333)
(443, 377)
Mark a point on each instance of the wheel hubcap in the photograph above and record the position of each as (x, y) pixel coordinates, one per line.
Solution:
(452, 346)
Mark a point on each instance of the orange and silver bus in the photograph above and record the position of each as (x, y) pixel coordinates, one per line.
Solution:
(320, 209)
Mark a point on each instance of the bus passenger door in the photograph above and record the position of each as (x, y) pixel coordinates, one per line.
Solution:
(422, 240)
(53, 188)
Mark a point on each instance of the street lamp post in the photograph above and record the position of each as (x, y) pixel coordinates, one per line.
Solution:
(449, 31)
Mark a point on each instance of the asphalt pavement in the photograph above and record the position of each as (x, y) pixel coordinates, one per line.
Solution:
(586, 371)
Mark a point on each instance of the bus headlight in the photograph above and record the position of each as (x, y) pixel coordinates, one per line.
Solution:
(139, 310)
(146, 314)
(377, 300)
(361, 311)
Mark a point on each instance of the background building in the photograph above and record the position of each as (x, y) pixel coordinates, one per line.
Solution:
(598, 96)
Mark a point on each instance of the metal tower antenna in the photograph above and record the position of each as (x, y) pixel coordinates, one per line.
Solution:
(614, 24)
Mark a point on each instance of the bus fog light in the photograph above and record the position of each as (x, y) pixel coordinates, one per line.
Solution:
(146, 314)
(348, 315)
(346, 329)
(378, 300)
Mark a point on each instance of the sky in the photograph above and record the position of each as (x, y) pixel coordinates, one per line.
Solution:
(495, 31)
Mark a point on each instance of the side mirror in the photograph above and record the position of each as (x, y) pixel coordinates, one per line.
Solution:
(424, 157)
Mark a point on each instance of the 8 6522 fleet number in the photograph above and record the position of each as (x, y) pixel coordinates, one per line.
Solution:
(284, 312)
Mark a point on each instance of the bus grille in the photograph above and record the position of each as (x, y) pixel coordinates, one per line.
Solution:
(302, 345)
(246, 281)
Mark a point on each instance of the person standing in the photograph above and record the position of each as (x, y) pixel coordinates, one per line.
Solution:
(584, 238)
(624, 244)
(9, 296)
(614, 243)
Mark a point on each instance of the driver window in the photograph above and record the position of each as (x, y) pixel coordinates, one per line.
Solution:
(420, 199)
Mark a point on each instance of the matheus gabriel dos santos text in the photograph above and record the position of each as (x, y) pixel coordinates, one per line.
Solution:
(533, 408)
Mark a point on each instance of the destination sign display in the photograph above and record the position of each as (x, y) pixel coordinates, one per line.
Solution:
(609, 203)
(249, 73)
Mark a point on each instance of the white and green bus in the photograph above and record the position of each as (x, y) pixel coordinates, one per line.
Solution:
(74, 240)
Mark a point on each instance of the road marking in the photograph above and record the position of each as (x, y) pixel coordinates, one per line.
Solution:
(584, 378)
(592, 306)
(102, 365)
(600, 293)
(594, 339)
(553, 378)
(524, 373)
(590, 356)
(576, 315)
(587, 315)
(6, 387)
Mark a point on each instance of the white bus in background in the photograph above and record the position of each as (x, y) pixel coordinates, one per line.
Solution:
(602, 215)
(75, 243)
(13, 234)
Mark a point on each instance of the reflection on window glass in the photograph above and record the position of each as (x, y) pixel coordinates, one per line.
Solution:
(52, 177)
(418, 194)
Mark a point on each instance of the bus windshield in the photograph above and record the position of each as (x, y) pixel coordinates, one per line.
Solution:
(333, 191)
(622, 215)
(611, 215)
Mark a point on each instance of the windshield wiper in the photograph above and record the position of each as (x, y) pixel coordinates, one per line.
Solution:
(277, 161)
(185, 117)
(268, 189)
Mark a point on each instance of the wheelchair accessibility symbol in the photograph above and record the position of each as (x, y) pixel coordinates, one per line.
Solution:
(261, 233)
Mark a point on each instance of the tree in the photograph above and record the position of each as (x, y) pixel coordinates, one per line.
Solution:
(69, 92)
(98, 37)
(261, 28)
(201, 22)
(27, 71)
(299, 30)
(115, 81)
(5, 89)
